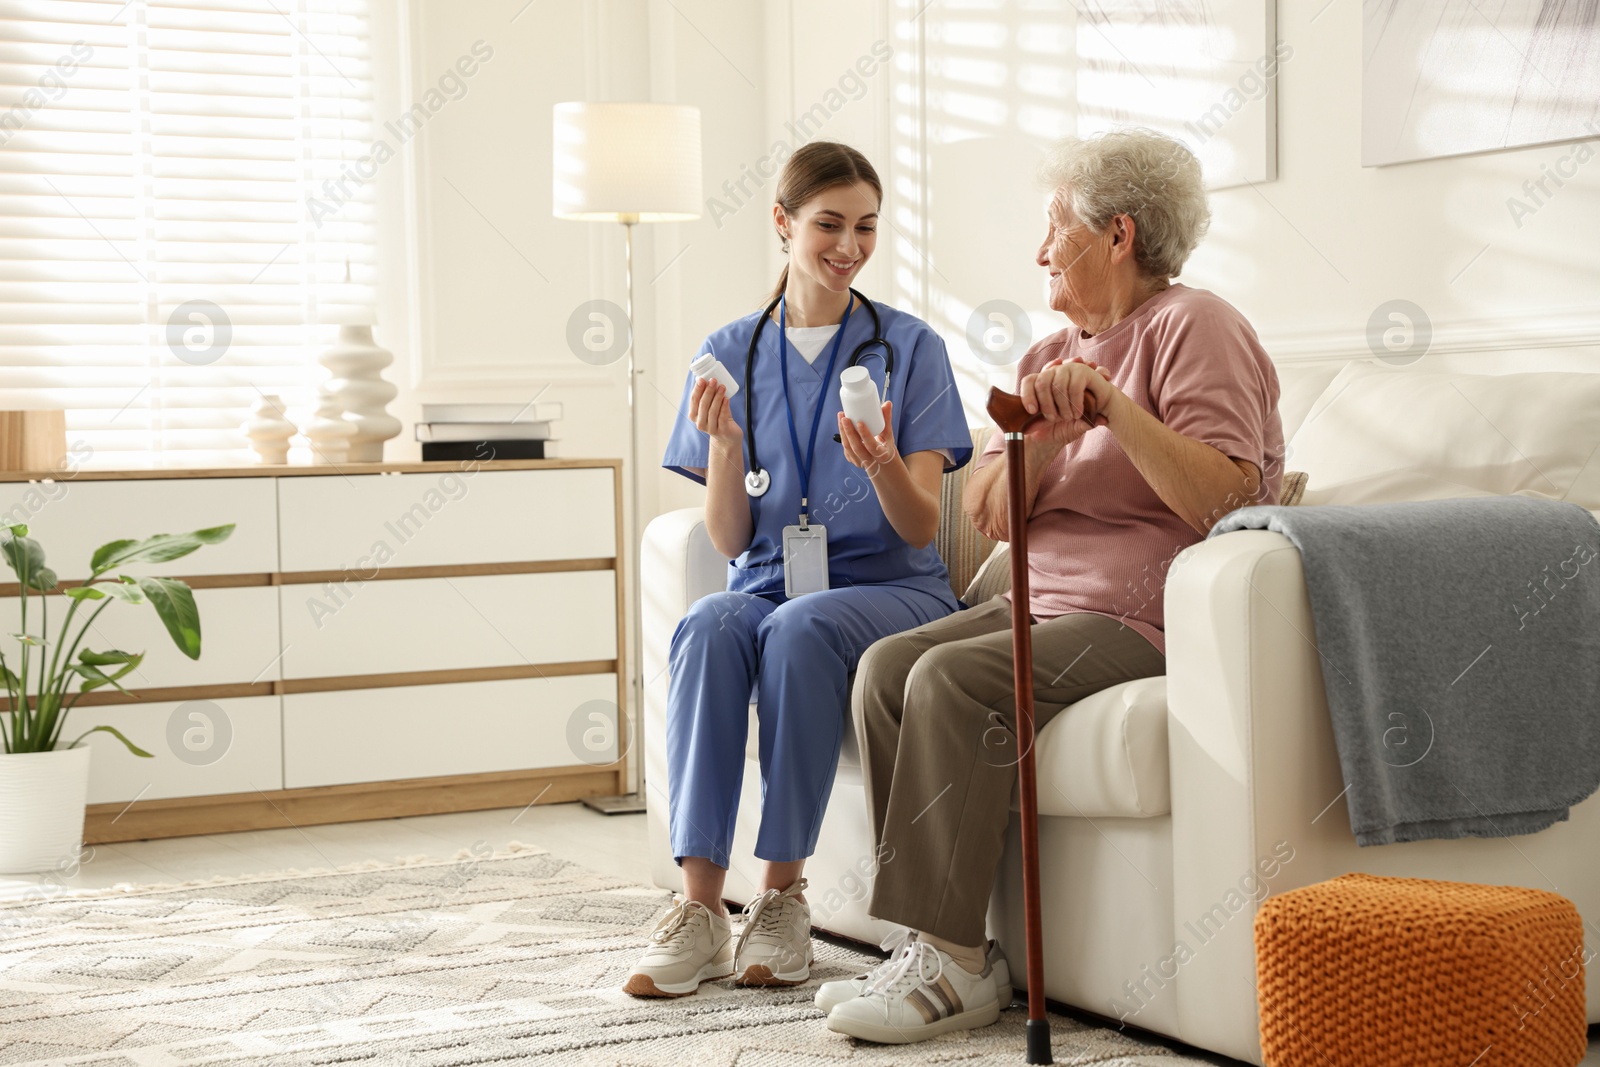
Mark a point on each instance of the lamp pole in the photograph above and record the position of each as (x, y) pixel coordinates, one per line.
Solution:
(627, 162)
(630, 803)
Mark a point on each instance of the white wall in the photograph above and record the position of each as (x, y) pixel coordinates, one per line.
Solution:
(1309, 257)
(955, 121)
(978, 89)
(483, 279)
(498, 276)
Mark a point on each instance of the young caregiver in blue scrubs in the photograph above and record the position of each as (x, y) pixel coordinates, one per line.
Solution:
(870, 512)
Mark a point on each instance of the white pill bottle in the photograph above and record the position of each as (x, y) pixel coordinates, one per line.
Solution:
(710, 368)
(858, 395)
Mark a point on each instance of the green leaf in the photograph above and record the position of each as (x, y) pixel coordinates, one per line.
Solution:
(111, 550)
(93, 677)
(13, 685)
(114, 732)
(85, 592)
(26, 558)
(106, 659)
(30, 639)
(126, 587)
(174, 602)
(17, 529)
(157, 549)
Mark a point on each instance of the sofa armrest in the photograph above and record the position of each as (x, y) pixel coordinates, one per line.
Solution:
(678, 566)
(1253, 765)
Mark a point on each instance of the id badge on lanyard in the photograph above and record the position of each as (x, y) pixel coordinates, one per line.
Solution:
(805, 546)
(805, 559)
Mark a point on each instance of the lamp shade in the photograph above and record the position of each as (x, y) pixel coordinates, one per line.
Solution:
(626, 162)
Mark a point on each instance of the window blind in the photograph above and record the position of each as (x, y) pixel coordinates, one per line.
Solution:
(186, 207)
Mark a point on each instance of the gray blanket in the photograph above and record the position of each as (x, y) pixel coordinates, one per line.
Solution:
(1460, 650)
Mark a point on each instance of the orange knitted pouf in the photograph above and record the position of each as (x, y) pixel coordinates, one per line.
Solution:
(1373, 971)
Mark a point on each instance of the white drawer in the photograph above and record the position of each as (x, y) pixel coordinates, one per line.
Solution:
(199, 748)
(420, 520)
(425, 731)
(238, 636)
(71, 519)
(420, 624)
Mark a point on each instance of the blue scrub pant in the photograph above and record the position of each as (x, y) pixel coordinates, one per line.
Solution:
(798, 655)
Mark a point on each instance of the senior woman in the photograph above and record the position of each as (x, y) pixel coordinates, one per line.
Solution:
(1160, 416)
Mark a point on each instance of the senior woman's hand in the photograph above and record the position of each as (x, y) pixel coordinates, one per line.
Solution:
(1073, 396)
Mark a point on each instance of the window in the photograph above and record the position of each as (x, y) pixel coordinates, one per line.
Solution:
(182, 214)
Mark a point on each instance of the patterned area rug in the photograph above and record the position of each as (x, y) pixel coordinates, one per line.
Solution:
(502, 958)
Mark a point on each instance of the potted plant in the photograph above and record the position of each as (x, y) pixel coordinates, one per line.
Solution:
(44, 785)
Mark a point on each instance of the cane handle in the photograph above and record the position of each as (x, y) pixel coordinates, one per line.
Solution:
(1008, 413)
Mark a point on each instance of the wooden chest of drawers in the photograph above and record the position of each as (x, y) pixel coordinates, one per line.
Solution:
(377, 640)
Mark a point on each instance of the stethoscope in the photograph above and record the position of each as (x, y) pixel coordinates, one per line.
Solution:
(758, 481)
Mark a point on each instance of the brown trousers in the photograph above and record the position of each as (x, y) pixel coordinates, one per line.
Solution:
(935, 714)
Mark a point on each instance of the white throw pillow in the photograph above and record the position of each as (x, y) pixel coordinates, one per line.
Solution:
(1380, 433)
(1299, 386)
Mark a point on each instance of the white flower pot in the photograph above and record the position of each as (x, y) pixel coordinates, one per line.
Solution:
(42, 799)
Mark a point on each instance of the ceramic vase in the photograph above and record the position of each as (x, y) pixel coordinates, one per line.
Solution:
(355, 361)
(329, 432)
(269, 431)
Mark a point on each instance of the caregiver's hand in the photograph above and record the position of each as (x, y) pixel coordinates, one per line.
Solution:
(728, 515)
(907, 486)
(1059, 392)
(708, 407)
(864, 450)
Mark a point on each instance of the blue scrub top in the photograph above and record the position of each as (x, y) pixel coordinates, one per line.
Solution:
(863, 548)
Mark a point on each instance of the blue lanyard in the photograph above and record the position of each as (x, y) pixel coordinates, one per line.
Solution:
(788, 408)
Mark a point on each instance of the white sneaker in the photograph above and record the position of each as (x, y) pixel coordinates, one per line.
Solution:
(923, 994)
(831, 994)
(774, 947)
(690, 945)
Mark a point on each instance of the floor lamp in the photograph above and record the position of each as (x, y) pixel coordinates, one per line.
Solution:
(627, 163)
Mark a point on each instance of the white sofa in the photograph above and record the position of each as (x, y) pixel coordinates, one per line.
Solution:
(1171, 806)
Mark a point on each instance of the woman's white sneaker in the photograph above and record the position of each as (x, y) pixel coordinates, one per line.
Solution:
(831, 994)
(774, 946)
(690, 945)
(922, 993)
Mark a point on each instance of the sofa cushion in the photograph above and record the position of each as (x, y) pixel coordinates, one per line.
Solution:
(1106, 755)
(960, 545)
(1381, 433)
(992, 579)
(1299, 386)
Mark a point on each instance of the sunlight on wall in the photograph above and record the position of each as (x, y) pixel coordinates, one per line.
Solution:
(979, 89)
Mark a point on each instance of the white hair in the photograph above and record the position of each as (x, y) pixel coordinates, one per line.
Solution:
(1138, 172)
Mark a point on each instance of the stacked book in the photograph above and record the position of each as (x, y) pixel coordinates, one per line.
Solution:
(488, 431)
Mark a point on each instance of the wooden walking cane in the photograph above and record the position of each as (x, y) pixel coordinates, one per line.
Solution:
(1012, 418)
